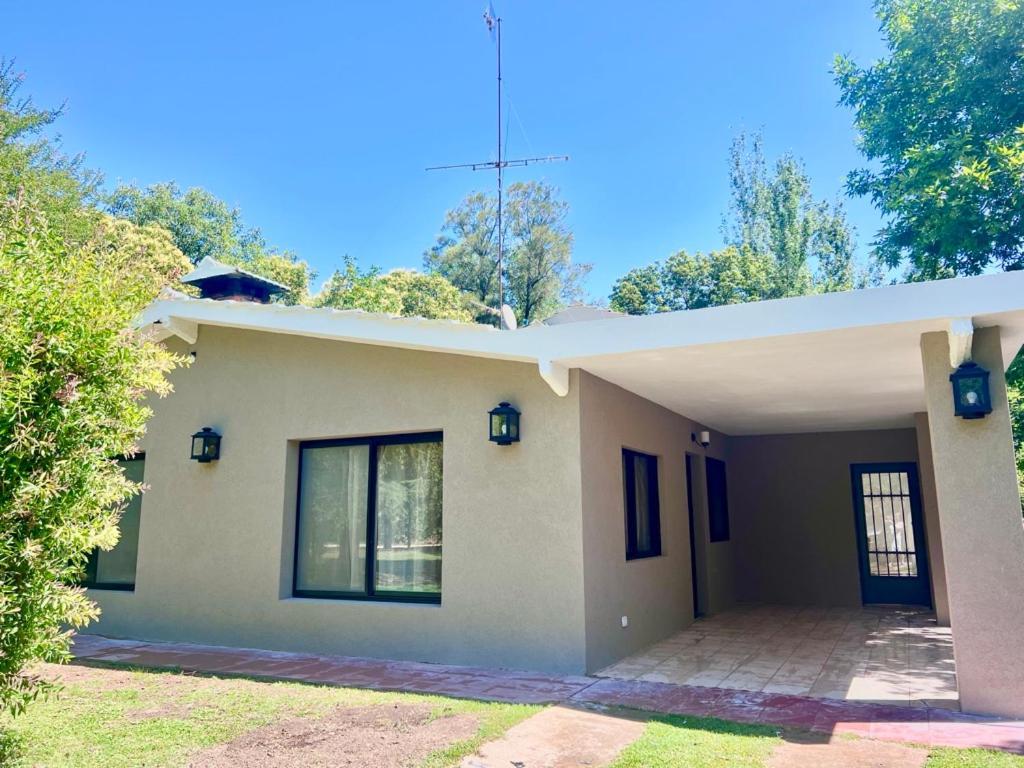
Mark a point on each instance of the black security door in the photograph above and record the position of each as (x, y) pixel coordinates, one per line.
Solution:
(890, 535)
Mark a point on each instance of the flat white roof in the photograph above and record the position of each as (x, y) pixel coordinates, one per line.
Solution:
(825, 362)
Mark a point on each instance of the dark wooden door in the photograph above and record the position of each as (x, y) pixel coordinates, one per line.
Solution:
(693, 536)
(890, 534)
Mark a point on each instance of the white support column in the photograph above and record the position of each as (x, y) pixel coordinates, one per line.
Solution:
(982, 534)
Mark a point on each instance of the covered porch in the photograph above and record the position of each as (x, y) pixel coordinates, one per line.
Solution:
(878, 654)
(855, 531)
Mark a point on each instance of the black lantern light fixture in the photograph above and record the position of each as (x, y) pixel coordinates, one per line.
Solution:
(205, 446)
(504, 424)
(971, 397)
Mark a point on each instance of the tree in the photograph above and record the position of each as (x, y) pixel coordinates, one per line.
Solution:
(775, 215)
(34, 165)
(72, 378)
(941, 122)
(780, 242)
(538, 267)
(401, 292)
(203, 225)
(640, 291)
(693, 281)
(1015, 391)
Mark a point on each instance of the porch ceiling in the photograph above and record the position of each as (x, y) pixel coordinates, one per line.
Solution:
(853, 371)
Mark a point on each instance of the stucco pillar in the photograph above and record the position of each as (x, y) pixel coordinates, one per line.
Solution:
(932, 530)
(982, 535)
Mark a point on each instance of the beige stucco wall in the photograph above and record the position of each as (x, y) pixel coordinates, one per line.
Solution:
(216, 541)
(791, 506)
(654, 593)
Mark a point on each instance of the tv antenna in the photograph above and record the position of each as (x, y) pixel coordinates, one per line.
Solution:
(494, 28)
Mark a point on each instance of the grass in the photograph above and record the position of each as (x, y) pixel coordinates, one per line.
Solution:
(161, 718)
(119, 718)
(972, 758)
(696, 742)
(699, 742)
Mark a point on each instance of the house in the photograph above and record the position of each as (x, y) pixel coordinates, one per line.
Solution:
(801, 452)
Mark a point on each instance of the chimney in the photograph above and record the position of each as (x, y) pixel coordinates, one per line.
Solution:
(226, 283)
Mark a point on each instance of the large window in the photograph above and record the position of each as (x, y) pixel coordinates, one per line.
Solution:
(718, 500)
(643, 518)
(369, 518)
(115, 568)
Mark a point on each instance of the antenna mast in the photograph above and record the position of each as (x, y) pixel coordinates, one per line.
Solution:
(494, 27)
(501, 232)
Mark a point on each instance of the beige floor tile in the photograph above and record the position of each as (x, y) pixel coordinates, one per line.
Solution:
(874, 654)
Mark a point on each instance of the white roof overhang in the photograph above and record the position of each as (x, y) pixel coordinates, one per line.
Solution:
(812, 363)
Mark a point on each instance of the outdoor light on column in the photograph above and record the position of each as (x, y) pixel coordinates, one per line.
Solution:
(504, 424)
(971, 398)
(205, 446)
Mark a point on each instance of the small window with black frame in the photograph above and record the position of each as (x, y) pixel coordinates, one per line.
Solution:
(115, 568)
(643, 514)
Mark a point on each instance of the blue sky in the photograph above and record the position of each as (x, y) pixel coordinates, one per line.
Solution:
(318, 119)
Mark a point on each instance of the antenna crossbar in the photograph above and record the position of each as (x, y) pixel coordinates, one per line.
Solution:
(493, 164)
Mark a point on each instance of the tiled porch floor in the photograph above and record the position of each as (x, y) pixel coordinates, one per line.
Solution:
(886, 655)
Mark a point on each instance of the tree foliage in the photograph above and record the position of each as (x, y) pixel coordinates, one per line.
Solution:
(72, 375)
(401, 292)
(1015, 391)
(203, 225)
(34, 165)
(774, 215)
(540, 275)
(692, 281)
(941, 120)
(780, 242)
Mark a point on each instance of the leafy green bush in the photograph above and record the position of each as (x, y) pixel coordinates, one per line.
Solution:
(72, 380)
(1015, 390)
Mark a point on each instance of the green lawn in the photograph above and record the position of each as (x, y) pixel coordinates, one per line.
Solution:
(972, 758)
(125, 718)
(699, 742)
(121, 718)
(694, 742)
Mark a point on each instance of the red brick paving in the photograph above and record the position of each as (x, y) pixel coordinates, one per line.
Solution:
(921, 725)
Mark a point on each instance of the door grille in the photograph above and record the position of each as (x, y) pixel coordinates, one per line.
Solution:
(889, 524)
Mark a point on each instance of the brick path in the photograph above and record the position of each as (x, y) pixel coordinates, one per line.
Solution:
(921, 725)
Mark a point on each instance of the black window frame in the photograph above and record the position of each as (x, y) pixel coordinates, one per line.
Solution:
(92, 564)
(718, 524)
(629, 504)
(370, 593)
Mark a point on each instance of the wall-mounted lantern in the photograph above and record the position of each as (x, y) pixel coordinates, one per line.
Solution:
(971, 398)
(205, 446)
(504, 424)
(702, 438)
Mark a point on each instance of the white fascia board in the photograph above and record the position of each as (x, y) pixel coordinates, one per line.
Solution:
(987, 299)
(971, 297)
(343, 325)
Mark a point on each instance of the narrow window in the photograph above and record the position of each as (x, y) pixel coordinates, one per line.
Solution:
(115, 568)
(643, 520)
(718, 500)
(369, 519)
